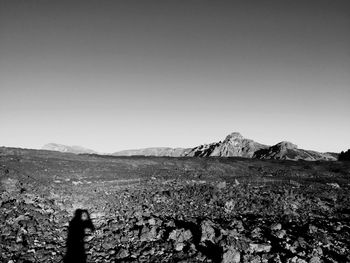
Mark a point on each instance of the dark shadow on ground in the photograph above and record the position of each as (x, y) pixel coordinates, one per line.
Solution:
(76, 233)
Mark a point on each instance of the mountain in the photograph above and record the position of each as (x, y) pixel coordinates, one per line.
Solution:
(233, 145)
(289, 151)
(64, 148)
(155, 151)
(236, 145)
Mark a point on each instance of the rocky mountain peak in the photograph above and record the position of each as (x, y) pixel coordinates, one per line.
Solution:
(234, 136)
(287, 145)
(233, 145)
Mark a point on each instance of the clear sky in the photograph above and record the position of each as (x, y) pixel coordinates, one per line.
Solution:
(114, 75)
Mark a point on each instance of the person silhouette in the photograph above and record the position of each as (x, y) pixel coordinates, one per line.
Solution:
(75, 240)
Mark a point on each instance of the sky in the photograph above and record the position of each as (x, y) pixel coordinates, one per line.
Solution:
(115, 75)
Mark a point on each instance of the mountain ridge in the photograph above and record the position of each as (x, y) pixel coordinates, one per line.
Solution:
(234, 145)
(154, 151)
(65, 148)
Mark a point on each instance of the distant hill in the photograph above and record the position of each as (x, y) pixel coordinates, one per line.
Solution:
(70, 149)
(154, 151)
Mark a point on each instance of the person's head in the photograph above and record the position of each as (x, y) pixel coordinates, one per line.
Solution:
(84, 215)
(81, 214)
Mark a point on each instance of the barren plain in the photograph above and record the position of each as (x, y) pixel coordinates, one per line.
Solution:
(163, 209)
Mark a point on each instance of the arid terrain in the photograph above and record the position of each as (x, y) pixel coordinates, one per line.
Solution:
(164, 209)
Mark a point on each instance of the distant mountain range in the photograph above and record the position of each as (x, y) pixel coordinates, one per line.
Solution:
(234, 145)
(64, 148)
(154, 151)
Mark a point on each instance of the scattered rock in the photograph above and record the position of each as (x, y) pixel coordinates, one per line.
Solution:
(208, 232)
(315, 260)
(231, 255)
(230, 206)
(180, 237)
(276, 227)
(122, 253)
(221, 185)
(280, 234)
(259, 247)
(334, 185)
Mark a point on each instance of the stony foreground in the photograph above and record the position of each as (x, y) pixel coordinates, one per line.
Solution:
(189, 217)
(177, 221)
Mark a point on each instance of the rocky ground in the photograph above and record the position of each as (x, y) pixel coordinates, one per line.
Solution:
(165, 218)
